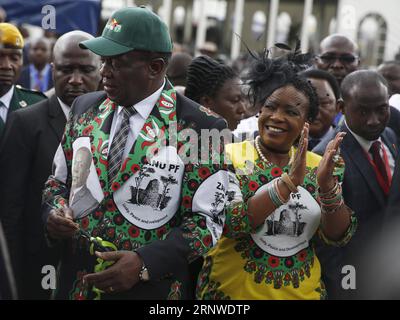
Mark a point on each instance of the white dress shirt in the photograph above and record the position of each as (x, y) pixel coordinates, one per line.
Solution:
(6, 99)
(394, 101)
(136, 121)
(64, 108)
(366, 145)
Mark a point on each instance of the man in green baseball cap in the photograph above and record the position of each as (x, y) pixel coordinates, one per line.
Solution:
(131, 29)
(134, 41)
(148, 215)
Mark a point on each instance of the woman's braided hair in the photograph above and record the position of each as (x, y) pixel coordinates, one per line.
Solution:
(205, 77)
(267, 75)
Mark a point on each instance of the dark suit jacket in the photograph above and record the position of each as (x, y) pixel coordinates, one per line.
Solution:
(394, 121)
(25, 78)
(30, 140)
(8, 289)
(394, 197)
(364, 196)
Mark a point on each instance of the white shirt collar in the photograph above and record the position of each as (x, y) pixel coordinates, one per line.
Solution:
(145, 106)
(65, 108)
(6, 99)
(364, 143)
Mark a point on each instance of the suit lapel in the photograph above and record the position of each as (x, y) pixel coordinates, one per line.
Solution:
(390, 144)
(56, 116)
(2, 125)
(15, 101)
(354, 151)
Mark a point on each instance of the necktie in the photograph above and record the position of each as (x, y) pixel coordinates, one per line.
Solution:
(118, 144)
(38, 84)
(379, 163)
(2, 122)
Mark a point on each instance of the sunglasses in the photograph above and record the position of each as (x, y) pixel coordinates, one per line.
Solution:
(344, 58)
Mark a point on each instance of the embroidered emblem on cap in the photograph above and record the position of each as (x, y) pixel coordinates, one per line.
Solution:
(113, 25)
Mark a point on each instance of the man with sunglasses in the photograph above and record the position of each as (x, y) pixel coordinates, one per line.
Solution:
(338, 56)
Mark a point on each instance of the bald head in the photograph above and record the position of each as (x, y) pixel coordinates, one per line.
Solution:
(75, 70)
(70, 41)
(340, 41)
(338, 56)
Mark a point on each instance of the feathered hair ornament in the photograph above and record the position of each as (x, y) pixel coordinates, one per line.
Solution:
(269, 74)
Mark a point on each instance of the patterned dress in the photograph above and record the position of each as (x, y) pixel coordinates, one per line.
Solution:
(277, 260)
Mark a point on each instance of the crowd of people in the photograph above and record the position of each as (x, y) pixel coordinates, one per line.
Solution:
(107, 175)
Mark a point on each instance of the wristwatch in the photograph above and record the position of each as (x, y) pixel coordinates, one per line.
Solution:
(144, 274)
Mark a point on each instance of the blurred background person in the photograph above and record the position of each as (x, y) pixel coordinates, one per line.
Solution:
(328, 92)
(248, 126)
(12, 97)
(217, 87)
(338, 55)
(177, 70)
(37, 74)
(390, 70)
(31, 138)
(209, 49)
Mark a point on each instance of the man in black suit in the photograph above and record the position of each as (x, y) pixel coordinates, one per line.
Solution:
(369, 151)
(31, 138)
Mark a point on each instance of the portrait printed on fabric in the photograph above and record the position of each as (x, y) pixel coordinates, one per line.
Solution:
(86, 193)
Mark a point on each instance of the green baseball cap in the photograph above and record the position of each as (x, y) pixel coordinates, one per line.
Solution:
(133, 28)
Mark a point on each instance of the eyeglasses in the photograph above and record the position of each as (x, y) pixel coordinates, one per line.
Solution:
(344, 58)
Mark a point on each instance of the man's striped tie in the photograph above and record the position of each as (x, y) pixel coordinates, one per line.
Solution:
(118, 144)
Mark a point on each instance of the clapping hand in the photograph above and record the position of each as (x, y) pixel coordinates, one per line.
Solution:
(298, 168)
(325, 178)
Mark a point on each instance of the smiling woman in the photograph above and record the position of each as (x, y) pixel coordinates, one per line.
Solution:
(282, 196)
